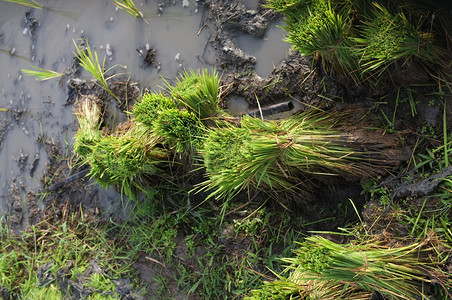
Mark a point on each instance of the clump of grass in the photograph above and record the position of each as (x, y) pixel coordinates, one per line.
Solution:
(88, 112)
(198, 93)
(150, 107)
(50, 259)
(90, 62)
(181, 129)
(386, 39)
(278, 155)
(42, 74)
(327, 270)
(127, 158)
(318, 27)
(129, 7)
(29, 3)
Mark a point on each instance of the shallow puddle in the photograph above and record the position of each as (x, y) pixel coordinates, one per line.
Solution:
(268, 51)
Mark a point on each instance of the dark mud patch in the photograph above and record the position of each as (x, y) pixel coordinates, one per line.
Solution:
(10, 118)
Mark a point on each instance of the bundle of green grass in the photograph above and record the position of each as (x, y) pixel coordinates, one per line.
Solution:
(360, 39)
(252, 153)
(140, 149)
(280, 155)
(127, 157)
(323, 269)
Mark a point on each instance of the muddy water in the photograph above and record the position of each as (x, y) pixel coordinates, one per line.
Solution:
(176, 31)
(268, 51)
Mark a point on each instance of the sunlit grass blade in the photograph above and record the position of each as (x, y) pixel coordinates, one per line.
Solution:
(42, 74)
(129, 7)
(29, 3)
(90, 62)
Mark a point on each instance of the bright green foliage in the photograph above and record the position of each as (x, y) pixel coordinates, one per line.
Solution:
(323, 269)
(277, 155)
(359, 39)
(387, 38)
(126, 161)
(225, 148)
(150, 107)
(285, 5)
(181, 129)
(11, 270)
(54, 245)
(320, 28)
(90, 62)
(129, 7)
(29, 3)
(103, 287)
(314, 259)
(126, 158)
(198, 93)
(42, 74)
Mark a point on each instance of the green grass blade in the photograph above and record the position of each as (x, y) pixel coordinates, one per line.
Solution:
(28, 3)
(42, 74)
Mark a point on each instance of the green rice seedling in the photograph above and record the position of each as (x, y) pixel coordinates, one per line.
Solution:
(42, 74)
(386, 38)
(129, 7)
(29, 3)
(285, 5)
(182, 130)
(345, 271)
(150, 107)
(90, 63)
(198, 93)
(321, 29)
(128, 159)
(88, 112)
(278, 155)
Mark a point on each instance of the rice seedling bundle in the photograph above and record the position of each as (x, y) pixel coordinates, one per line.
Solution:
(278, 155)
(127, 158)
(181, 129)
(128, 161)
(88, 111)
(150, 107)
(386, 38)
(319, 28)
(198, 93)
(323, 269)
